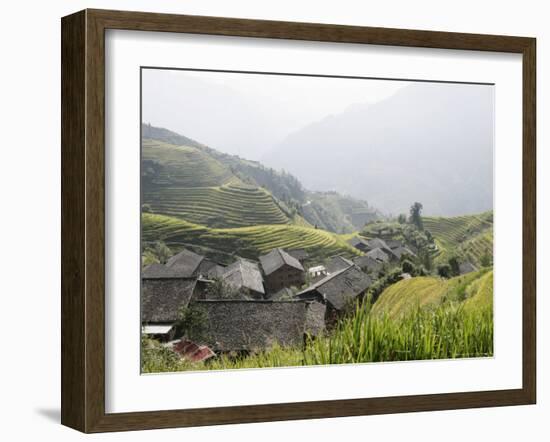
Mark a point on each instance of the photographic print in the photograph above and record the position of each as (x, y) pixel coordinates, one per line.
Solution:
(299, 220)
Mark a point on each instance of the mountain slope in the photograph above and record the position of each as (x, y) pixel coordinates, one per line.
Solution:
(429, 142)
(191, 181)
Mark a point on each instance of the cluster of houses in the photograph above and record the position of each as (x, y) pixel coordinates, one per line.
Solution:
(275, 299)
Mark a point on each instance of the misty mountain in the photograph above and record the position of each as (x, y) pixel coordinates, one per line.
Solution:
(184, 178)
(428, 142)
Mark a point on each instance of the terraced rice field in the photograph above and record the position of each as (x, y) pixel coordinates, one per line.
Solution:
(248, 241)
(474, 290)
(188, 183)
(224, 206)
(467, 236)
(183, 166)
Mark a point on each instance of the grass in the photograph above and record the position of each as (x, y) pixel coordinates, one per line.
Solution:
(248, 241)
(456, 321)
(427, 292)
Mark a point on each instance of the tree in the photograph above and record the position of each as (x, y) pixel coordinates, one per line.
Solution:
(416, 217)
(444, 270)
(429, 236)
(162, 251)
(485, 260)
(407, 267)
(402, 218)
(426, 259)
(454, 266)
(191, 321)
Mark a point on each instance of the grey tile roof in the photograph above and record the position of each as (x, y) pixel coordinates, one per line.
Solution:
(257, 325)
(394, 243)
(210, 269)
(336, 263)
(377, 243)
(400, 251)
(245, 274)
(367, 263)
(299, 254)
(338, 287)
(277, 258)
(185, 263)
(156, 270)
(379, 255)
(161, 299)
(357, 241)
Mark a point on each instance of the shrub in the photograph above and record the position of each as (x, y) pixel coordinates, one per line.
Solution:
(192, 321)
(444, 270)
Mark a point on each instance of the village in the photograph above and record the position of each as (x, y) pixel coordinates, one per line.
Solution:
(247, 306)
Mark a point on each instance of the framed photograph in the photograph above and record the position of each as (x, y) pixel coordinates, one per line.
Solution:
(268, 220)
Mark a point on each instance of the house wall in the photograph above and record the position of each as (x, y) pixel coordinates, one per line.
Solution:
(286, 276)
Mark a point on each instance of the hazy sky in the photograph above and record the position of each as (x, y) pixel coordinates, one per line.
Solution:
(248, 114)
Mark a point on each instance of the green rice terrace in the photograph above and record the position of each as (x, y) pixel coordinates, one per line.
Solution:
(429, 292)
(182, 166)
(469, 236)
(224, 206)
(187, 183)
(250, 242)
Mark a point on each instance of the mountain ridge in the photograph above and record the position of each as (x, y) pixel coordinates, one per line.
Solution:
(396, 151)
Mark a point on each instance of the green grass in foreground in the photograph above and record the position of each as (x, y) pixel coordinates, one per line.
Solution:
(451, 329)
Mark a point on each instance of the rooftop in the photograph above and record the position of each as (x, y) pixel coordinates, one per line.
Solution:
(277, 258)
(256, 325)
(339, 287)
(246, 274)
(161, 299)
(185, 263)
(338, 263)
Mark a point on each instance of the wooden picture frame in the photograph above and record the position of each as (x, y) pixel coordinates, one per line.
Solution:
(83, 220)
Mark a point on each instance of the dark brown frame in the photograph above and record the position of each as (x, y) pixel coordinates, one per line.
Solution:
(83, 216)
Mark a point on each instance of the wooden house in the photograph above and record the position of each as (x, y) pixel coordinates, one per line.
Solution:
(281, 270)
